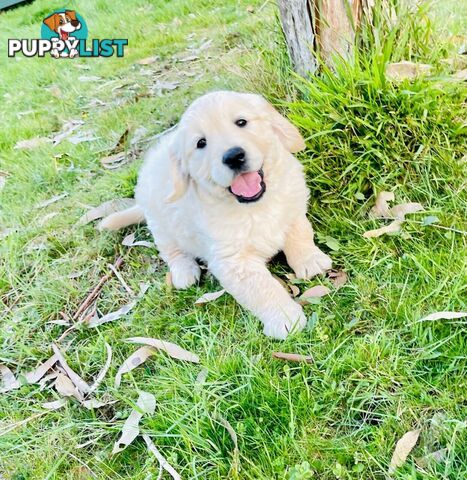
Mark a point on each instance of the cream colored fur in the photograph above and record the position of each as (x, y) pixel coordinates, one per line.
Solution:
(183, 194)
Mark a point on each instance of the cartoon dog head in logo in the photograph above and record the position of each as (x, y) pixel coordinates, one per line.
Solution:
(63, 23)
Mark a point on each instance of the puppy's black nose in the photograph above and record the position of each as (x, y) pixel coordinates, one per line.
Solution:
(75, 23)
(234, 158)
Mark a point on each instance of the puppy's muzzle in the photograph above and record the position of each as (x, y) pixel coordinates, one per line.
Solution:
(235, 158)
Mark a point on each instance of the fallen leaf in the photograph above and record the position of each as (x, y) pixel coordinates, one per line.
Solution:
(114, 161)
(430, 220)
(443, 315)
(172, 349)
(46, 379)
(79, 383)
(162, 461)
(35, 375)
(52, 200)
(82, 137)
(406, 70)
(129, 241)
(316, 292)
(294, 290)
(400, 211)
(148, 60)
(89, 78)
(403, 448)
(95, 321)
(105, 209)
(67, 129)
(146, 404)
(233, 435)
(292, 357)
(209, 297)
(461, 75)
(431, 458)
(393, 227)
(9, 381)
(66, 388)
(101, 375)
(134, 360)
(250, 9)
(201, 378)
(31, 143)
(55, 405)
(94, 403)
(381, 208)
(337, 277)
(189, 58)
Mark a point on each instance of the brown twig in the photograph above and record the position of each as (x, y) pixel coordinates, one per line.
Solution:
(96, 290)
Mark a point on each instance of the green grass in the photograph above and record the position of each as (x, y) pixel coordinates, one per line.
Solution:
(377, 371)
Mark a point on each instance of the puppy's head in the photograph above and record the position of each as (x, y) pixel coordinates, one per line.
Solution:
(226, 141)
(63, 23)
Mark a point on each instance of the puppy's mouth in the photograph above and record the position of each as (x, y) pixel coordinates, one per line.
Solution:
(64, 35)
(248, 187)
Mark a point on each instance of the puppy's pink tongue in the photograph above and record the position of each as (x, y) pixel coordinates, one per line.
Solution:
(247, 184)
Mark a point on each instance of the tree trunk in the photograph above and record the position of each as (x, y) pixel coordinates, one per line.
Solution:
(319, 27)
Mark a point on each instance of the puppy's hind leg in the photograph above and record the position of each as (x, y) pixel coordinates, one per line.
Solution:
(184, 268)
(305, 258)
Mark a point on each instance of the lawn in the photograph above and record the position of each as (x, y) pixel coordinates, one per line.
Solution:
(377, 370)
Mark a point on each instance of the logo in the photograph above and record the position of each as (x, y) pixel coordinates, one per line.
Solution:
(64, 34)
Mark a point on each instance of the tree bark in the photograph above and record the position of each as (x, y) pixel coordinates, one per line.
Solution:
(324, 28)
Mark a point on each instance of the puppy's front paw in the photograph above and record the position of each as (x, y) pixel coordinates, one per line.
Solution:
(185, 273)
(312, 263)
(290, 319)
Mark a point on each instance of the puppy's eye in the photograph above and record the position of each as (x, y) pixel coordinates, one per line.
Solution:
(201, 143)
(61, 21)
(241, 122)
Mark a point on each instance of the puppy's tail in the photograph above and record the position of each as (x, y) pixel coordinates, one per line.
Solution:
(122, 219)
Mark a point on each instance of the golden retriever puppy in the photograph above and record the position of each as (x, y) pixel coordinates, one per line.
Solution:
(224, 187)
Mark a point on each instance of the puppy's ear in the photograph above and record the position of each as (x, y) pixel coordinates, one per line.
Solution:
(71, 14)
(287, 133)
(178, 177)
(52, 21)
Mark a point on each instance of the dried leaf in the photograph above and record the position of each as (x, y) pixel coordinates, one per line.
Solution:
(443, 315)
(31, 143)
(114, 161)
(94, 403)
(66, 388)
(55, 405)
(82, 137)
(406, 70)
(393, 227)
(79, 383)
(106, 209)
(292, 357)
(95, 321)
(35, 375)
(171, 349)
(148, 60)
(147, 404)
(316, 292)
(294, 290)
(400, 211)
(129, 241)
(233, 435)
(431, 458)
(381, 208)
(461, 75)
(9, 381)
(52, 200)
(209, 297)
(67, 129)
(104, 370)
(403, 448)
(201, 378)
(89, 78)
(162, 461)
(338, 278)
(134, 360)
(189, 58)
